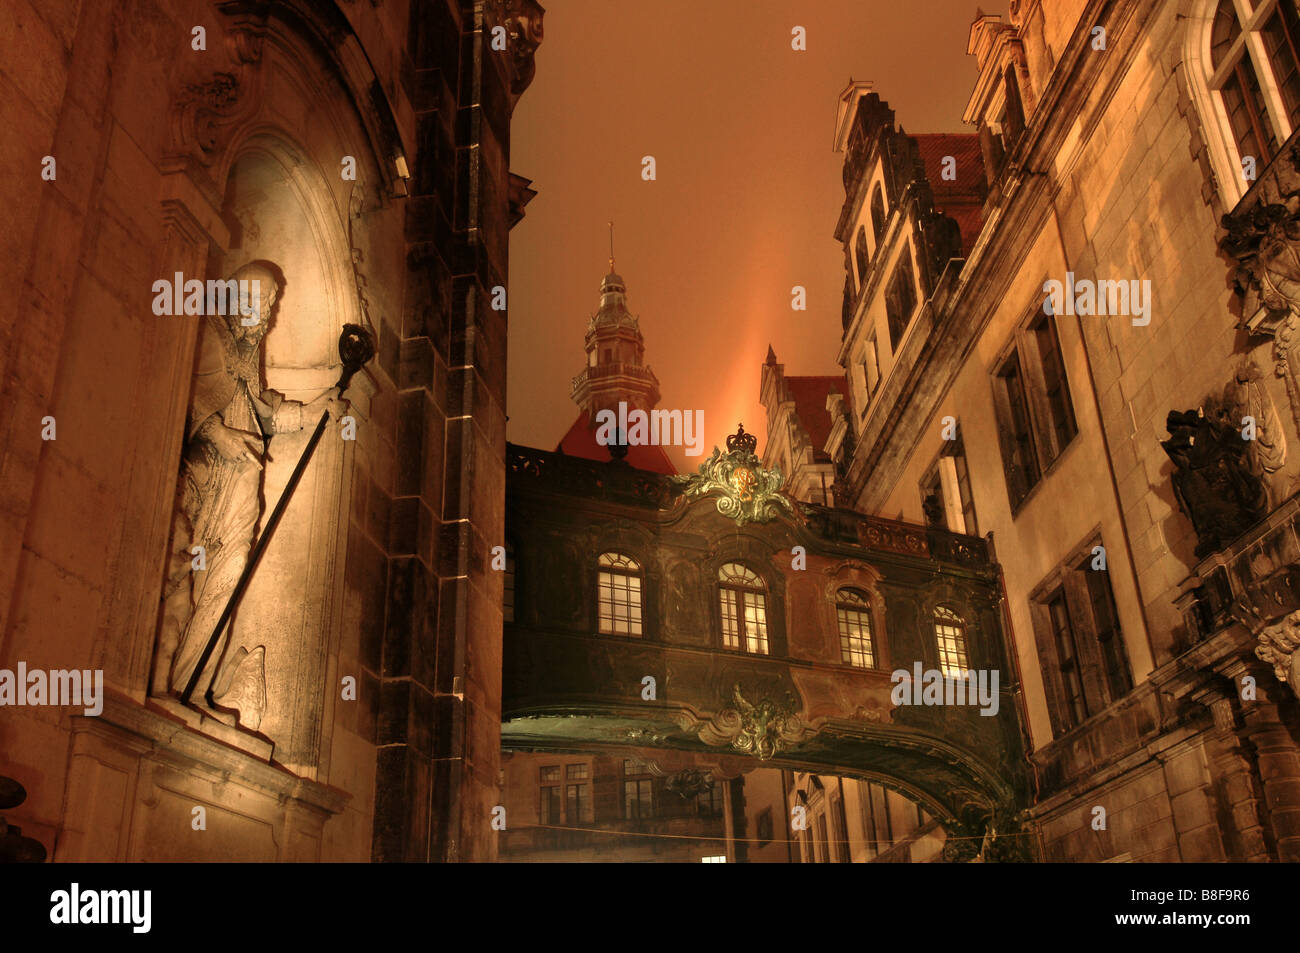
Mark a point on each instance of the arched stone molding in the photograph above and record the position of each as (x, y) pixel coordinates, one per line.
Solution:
(756, 553)
(629, 539)
(850, 574)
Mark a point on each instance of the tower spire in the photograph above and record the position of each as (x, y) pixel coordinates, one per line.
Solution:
(611, 248)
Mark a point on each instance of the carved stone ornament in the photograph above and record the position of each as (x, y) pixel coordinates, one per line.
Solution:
(1277, 647)
(747, 492)
(523, 22)
(761, 729)
(689, 783)
(1214, 479)
(198, 112)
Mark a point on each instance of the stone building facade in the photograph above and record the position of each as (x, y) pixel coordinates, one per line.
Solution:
(1122, 446)
(362, 149)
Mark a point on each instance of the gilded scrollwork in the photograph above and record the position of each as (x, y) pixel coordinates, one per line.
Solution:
(746, 491)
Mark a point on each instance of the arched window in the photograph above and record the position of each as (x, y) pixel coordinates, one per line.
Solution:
(878, 213)
(619, 582)
(950, 633)
(1254, 71)
(744, 609)
(862, 256)
(854, 615)
(508, 587)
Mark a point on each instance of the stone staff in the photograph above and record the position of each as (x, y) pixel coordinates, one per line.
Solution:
(356, 347)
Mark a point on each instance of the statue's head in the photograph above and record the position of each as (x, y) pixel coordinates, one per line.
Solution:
(260, 283)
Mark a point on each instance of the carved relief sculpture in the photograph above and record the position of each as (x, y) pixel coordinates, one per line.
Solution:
(231, 419)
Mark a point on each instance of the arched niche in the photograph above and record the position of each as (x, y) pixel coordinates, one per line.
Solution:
(278, 208)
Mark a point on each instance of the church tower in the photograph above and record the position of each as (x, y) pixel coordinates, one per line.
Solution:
(616, 369)
(615, 372)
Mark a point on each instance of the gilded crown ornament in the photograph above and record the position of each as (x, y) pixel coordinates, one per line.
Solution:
(744, 442)
(747, 491)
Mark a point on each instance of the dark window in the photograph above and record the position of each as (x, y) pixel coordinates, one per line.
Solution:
(932, 500)
(900, 300)
(1013, 119)
(877, 214)
(1060, 411)
(638, 791)
(764, 828)
(1035, 415)
(862, 256)
(1085, 661)
(1114, 657)
(709, 803)
(1021, 459)
(1067, 661)
(958, 454)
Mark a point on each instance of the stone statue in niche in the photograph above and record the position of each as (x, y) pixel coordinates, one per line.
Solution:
(230, 422)
(1213, 479)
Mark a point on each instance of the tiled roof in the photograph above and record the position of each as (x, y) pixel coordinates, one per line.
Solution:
(962, 199)
(580, 441)
(809, 395)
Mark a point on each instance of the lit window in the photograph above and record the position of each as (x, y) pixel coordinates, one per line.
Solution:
(620, 594)
(854, 614)
(716, 859)
(950, 632)
(744, 609)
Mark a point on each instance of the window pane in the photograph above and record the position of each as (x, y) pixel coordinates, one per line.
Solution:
(551, 805)
(1022, 469)
(755, 623)
(619, 595)
(730, 619)
(1058, 393)
(1114, 656)
(1076, 706)
(950, 631)
(900, 300)
(1281, 35)
(855, 630)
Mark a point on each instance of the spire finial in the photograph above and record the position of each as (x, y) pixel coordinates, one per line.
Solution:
(611, 248)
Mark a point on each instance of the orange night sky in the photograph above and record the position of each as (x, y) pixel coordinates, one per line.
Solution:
(747, 195)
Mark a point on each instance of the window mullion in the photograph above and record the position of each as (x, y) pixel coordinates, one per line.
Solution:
(1276, 110)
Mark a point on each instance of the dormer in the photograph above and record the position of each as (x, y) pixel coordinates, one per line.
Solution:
(1002, 97)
